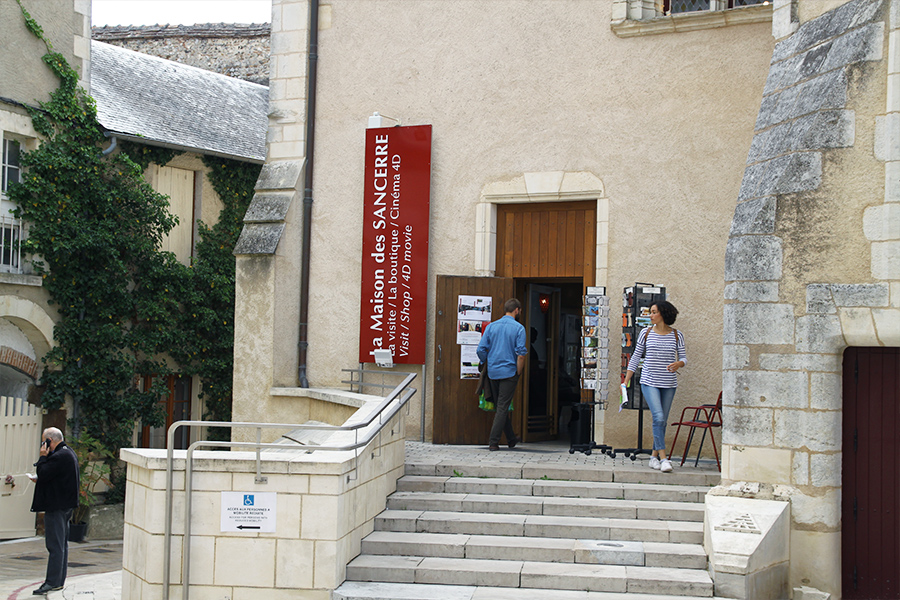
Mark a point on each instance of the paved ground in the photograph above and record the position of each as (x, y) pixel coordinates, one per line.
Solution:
(94, 570)
(95, 567)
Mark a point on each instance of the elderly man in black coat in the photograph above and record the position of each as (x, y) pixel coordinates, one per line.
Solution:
(56, 495)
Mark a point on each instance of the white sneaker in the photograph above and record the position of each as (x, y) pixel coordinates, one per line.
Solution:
(654, 463)
(665, 466)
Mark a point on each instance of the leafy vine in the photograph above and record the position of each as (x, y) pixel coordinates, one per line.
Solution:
(95, 229)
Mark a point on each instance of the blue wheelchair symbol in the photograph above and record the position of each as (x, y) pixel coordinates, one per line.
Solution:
(248, 499)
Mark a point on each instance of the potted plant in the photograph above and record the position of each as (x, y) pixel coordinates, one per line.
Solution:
(92, 470)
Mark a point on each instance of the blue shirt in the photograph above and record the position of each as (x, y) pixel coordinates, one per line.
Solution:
(502, 342)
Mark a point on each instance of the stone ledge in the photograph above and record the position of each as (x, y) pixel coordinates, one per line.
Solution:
(693, 21)
(20, 279)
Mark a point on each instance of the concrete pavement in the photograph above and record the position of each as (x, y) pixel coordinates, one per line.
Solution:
(95, 570)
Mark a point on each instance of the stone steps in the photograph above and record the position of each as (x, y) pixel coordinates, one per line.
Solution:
(547, 505)
(364, 590)
(636, 472)
(561, 489)
(499, 531)
(561, 550)
(597, 528)
(531, 574)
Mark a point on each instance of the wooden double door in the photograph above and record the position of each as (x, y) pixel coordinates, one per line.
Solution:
(545, 257)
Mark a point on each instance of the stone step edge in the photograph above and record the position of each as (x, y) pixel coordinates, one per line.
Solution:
(394, 568)
(381, 590)
(572, 472)
(414, 521)
(619, 551)
(475, 496)
(395, 513)
(583, 484)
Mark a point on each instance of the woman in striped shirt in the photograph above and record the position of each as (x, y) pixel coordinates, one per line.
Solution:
(662, 348)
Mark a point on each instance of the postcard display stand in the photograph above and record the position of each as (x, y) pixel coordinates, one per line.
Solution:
(594, 371)
(636, 303)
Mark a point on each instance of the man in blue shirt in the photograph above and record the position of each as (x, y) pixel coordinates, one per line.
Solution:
(502, 347)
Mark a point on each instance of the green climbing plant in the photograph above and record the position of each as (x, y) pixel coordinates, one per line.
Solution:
(95, 229)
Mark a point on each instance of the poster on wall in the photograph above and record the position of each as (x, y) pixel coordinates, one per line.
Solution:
(468, 367)
(397, 191)
(473, 315)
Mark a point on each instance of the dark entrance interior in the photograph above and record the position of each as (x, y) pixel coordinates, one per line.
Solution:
(551, 382)
(870, 495)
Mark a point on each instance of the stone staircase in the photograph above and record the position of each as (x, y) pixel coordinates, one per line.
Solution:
(536, 530)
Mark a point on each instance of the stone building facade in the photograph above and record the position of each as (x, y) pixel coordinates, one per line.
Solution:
(812, 268)
(232, 49)
(801, 130)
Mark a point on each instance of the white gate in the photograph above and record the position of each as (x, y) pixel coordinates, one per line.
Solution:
(20, 440)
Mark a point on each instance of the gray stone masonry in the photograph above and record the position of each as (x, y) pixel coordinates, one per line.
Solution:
(231, 49)
(264, 221)
(819, 333)
(756, 257)
(754, 216)
(759, 324)
(752, 291)
(767, 388)
(833, 23)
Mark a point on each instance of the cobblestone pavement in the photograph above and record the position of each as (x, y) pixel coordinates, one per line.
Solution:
(95, 568)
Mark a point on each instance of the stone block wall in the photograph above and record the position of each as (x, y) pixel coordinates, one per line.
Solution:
(326, 503)
(812, 267)
(235, 50)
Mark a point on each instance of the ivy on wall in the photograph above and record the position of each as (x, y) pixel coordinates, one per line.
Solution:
(95, 228)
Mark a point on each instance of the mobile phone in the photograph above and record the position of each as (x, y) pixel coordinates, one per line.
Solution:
(47, 444)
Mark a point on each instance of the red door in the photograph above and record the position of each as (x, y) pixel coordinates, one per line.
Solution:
(870, 505)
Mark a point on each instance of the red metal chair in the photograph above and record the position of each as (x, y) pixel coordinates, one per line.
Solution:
(711, 417)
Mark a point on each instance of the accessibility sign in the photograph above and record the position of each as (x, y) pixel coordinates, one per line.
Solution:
(248, 511)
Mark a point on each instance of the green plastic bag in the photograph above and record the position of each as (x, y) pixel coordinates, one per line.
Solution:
(483, 404)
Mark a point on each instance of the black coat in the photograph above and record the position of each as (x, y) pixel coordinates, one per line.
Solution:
(57, 481)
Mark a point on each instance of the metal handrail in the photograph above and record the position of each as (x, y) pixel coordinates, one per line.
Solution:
(382, 412)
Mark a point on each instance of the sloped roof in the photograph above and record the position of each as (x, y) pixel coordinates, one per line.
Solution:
(175, 105)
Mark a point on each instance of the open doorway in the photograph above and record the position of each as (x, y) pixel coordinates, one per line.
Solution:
(551, 381)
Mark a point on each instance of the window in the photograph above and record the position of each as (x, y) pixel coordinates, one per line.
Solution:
(10, 166)
(682, 6)
(10, 245)
(635, 18)
(176, 405)
(10, 228)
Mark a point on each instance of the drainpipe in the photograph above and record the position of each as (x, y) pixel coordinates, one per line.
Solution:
(112, 144)
(307, 189)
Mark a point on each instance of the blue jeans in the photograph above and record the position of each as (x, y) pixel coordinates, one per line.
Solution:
(660, 402)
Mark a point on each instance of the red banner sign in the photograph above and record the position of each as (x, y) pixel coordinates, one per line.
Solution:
(395, 243)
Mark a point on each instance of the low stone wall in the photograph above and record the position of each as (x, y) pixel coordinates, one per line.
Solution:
(326, 502)
(106, 522)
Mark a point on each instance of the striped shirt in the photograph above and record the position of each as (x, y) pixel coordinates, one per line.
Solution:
(661, 351)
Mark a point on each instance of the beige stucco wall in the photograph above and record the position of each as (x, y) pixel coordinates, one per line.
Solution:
(66, 24)
(514, 87)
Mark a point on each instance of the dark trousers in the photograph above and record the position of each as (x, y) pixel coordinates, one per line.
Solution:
(56, 538)
(503, 390)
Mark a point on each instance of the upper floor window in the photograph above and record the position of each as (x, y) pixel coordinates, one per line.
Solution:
(10, 168)
(634, 18)
(12, 230)
(683, 6)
